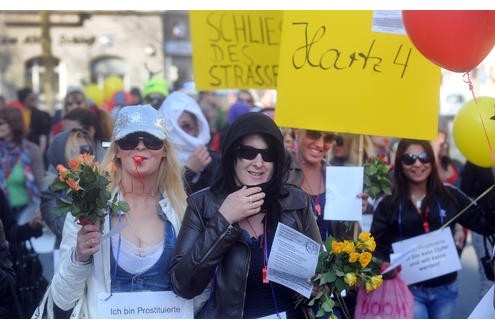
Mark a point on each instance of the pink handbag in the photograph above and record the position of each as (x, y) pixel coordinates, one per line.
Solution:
(392, 300)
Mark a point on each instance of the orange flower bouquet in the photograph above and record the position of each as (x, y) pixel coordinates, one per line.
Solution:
(85, 195)
(343, 266)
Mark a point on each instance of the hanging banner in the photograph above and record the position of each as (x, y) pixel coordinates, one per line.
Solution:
(235, 49)
(355, 72)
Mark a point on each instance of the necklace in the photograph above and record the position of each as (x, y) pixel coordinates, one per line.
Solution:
(417, 200)
(316, 197)
(142, 238)
(254, 232)
(252, 229)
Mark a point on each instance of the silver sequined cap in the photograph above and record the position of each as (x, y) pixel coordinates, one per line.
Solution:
(139, 118)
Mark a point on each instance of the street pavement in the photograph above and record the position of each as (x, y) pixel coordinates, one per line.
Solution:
(469, 282)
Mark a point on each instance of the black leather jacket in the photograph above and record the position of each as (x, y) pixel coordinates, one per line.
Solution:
(207, 243)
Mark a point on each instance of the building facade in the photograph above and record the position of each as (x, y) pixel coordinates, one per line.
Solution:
(87, 47)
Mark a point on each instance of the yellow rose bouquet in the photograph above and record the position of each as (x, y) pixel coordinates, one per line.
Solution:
(83, 186)
(345, 265)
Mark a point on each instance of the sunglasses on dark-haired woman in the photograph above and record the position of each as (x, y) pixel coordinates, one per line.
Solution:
(410, 159)
(250, 153)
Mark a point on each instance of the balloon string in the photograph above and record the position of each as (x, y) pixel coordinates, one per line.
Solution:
(467, 79)
(486, 136)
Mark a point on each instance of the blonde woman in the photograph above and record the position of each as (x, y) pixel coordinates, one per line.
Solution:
(94, 271)
(64, 146)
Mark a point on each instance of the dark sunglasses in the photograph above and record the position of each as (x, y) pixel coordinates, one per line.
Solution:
(250, 153)
(315, 135)
(410, 159)
(85, 149)
(132, 140)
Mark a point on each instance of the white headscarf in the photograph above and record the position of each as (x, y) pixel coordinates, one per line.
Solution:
(171, 109)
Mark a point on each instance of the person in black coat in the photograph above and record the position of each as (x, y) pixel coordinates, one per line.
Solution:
(9, 305)
(420, 203)
(228, 228)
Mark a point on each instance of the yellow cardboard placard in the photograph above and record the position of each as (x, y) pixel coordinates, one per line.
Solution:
(235, 49)
(337, 74)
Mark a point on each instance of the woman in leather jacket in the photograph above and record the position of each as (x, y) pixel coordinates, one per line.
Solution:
(221, 244)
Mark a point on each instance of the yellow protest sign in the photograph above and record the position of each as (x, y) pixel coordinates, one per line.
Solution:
(355, 72)
(235, 49)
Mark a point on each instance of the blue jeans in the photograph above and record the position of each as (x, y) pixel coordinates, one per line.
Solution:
(435, 302)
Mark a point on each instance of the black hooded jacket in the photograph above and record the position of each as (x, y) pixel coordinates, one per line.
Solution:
(210, 250)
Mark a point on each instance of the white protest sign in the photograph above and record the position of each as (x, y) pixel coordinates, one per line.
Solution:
(144, 305)
(484, 309)
(434, 255)
(293, 260)
(343, 184)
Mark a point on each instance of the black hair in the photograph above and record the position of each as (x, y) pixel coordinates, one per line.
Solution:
(23, 93)
(434, 185)
(249, 124)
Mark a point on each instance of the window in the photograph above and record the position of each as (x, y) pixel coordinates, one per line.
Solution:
(35, 71)
(103, 67)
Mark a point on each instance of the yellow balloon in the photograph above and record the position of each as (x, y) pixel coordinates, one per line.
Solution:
(111, 85)
(93, 92)
(469, 134)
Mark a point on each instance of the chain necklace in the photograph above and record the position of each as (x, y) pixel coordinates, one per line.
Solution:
(316, 197)
(417, 201)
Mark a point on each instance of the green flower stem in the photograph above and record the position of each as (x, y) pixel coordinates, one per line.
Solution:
(343, 306)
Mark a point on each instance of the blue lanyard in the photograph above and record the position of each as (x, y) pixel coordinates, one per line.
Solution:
(118, 249)
(441, 213)
(265, 251)
(117, 259)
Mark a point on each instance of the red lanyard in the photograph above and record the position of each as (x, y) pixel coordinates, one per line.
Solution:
(265, 252)
(315, 197)
(424, 218)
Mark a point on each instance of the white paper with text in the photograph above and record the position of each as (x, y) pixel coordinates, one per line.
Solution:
(293, 260)
(434, 255)
(144, 305)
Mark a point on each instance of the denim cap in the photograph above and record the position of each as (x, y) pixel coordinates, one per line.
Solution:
(139, 118)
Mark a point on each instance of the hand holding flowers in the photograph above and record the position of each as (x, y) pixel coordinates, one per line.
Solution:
(345, 265)
(85, 193)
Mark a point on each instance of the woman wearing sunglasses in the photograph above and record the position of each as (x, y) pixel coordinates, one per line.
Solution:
(228, 229)
(307, 170)
(420, 203)
(136, 253)
(189, 131)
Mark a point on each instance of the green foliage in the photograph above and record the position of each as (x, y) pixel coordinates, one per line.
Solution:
(376, 181)
(343, 266)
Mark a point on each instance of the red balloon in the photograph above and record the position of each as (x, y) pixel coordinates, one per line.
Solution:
(457, 40)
